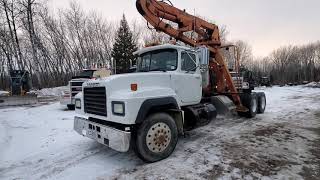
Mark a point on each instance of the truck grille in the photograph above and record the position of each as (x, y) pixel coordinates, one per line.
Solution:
(75, 87)
(238, 81)
(78, 83)
(95, 101)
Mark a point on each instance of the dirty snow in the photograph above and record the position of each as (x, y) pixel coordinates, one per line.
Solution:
(283, 143)
(313, 85)
(57, 91)
(2, 93)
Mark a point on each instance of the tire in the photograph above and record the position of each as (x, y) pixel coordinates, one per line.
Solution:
(71, 107)
(250, 101)
(247, 91)
(262, 102)
(156, 138)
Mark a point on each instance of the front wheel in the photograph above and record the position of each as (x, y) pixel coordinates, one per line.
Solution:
(156, 138)
(262, 102)
(250, 101)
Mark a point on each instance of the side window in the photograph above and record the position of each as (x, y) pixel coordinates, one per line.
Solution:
(188, 62)
(145, 62)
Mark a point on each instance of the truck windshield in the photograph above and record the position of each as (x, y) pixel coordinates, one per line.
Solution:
(87, 73)
(159, 60)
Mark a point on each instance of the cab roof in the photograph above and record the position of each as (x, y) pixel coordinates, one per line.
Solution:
(164, 46)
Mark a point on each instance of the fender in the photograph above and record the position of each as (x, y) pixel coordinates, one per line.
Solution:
(160, 103)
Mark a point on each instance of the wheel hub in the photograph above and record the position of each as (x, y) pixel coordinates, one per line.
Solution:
(158, 137)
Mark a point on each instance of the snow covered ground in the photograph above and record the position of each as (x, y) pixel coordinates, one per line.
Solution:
(4, 93)
(283, 143)
(57, 91)
(313, 84)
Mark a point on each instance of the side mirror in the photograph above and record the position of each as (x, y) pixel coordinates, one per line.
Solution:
(204, 68)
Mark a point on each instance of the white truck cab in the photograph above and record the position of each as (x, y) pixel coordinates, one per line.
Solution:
(148, 109)
(75, 85)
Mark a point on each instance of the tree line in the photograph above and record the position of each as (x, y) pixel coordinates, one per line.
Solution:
(52, 48)
(287, 64)
(55, 47)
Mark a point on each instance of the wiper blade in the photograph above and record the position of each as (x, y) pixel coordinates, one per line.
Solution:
(143, 71)
(158, 69)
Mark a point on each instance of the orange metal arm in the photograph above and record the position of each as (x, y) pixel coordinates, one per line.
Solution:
(158, 13)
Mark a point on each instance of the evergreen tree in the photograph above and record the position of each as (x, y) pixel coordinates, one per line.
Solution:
(123, 48)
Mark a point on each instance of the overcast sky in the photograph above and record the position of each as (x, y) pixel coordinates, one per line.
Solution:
(264, 24)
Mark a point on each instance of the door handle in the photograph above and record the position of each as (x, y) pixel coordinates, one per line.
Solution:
(197, 77)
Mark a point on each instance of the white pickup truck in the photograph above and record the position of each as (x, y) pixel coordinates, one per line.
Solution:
(147, 110)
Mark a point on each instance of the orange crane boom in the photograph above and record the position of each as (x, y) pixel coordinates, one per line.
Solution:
(160, 15)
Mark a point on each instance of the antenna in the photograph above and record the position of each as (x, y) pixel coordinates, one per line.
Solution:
(194, 24)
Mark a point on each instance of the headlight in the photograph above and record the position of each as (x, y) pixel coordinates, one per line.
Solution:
(78, 103)
(245, 85)
(118, 108)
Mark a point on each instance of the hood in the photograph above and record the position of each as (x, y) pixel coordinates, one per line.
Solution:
(123, 82)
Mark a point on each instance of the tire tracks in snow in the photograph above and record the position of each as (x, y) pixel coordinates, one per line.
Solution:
(46, 168)
(7, 137)
(222, 149)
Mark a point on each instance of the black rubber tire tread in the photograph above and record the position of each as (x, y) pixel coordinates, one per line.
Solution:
(247, 100)
(261, 96)
(140, 146)
(71, 107)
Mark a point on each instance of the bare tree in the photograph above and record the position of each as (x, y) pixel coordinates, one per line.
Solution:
(53, 48)
(245, 53)
(11, 15)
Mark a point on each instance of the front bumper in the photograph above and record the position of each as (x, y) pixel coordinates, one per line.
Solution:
(113, 138)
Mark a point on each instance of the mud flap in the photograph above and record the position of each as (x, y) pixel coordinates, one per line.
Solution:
(18, 100)
(224, 105)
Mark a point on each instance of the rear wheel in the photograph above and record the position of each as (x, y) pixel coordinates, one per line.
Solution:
(156, 138)
(249, 101)
(262, 102)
